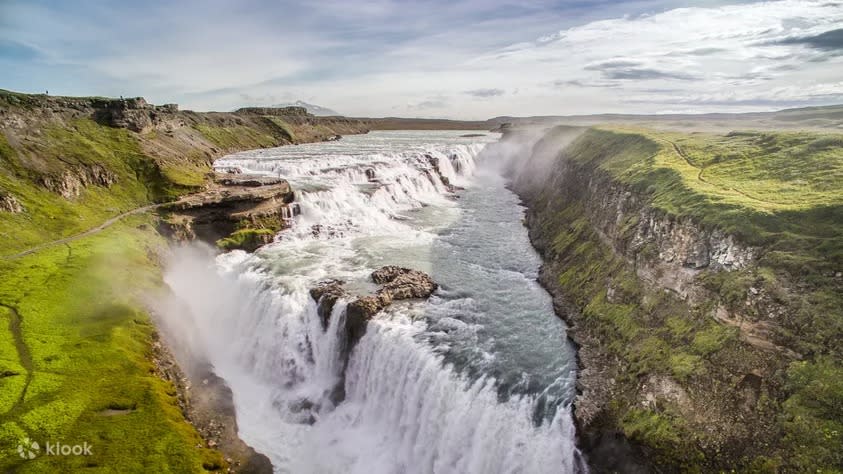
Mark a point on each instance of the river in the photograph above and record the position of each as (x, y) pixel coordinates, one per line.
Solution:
(478, 379)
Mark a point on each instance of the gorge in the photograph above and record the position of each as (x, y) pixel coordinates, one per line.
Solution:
(555, 298)
(449, 385)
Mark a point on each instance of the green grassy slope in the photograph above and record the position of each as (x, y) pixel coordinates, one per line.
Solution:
(49, 215)
(76, 342)
(779, 192)
(81, 365)
(75, 349)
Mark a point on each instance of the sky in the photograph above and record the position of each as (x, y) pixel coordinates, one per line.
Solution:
(467, 59)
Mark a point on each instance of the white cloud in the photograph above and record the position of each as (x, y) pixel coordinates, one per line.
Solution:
(724, 58)
(462, 59)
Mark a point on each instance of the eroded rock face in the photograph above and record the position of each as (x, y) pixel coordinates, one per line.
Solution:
(8, 203)
(234, 202)
(434, 163)
(631, 225)
(326, 294)
(359, 312)
(70, 183)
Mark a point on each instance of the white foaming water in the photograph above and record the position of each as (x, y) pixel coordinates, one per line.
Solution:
(476, 380)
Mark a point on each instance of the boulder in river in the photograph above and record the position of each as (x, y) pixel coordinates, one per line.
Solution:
(397, 283)
(404, 283)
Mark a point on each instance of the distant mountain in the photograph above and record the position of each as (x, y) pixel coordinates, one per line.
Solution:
(314, 109)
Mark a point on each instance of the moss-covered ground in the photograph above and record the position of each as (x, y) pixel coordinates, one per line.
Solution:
(82, 369)
(246, 239)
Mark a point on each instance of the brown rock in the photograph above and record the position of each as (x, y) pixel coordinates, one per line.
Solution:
(326, 294)
(8, 203)
(357, 315)
(398, 284)
(403, 283)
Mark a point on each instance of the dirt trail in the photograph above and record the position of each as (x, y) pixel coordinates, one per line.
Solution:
(702, 179)
(87, 233)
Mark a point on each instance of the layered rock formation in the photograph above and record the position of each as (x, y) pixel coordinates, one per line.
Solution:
(238, 211)
(70, 182)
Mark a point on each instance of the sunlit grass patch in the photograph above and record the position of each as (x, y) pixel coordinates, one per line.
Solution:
(90, 341)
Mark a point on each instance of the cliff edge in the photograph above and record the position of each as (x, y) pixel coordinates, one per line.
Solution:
(701, 276)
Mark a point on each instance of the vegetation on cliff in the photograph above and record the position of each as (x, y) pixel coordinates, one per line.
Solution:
(738, 364)
(247, 239)
(79, 358)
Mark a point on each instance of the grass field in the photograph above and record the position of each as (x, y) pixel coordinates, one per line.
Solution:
(79, 364)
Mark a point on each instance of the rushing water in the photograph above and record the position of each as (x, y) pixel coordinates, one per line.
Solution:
(478, 379)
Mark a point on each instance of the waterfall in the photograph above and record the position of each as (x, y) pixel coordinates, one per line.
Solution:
(397, 407)
(408, 414)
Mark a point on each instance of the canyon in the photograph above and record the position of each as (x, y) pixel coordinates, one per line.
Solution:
(698, 274)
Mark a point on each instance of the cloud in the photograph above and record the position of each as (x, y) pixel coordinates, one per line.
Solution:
(485, 93)
(704, 51)
(430, 104)
(641, 74)
(829, 40)
(388, 57)
(612, 64)
(622, 69)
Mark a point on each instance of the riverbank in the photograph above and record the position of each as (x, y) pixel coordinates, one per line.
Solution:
(700, 275)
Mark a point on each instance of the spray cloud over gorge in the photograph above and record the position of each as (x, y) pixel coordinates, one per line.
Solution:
(477, 379)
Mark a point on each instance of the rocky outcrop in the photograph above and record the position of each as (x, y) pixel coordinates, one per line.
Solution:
(396, 283)
(134, 114)
(276, 111)
(326, 294)
(72, 181)
(237, 211)
(434, 164)
(403, 283)
(8, 203)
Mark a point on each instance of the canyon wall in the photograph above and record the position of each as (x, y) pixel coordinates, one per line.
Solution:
(686, 355)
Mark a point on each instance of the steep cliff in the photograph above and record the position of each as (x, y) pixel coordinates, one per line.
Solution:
(701, 275)
(68, 163)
